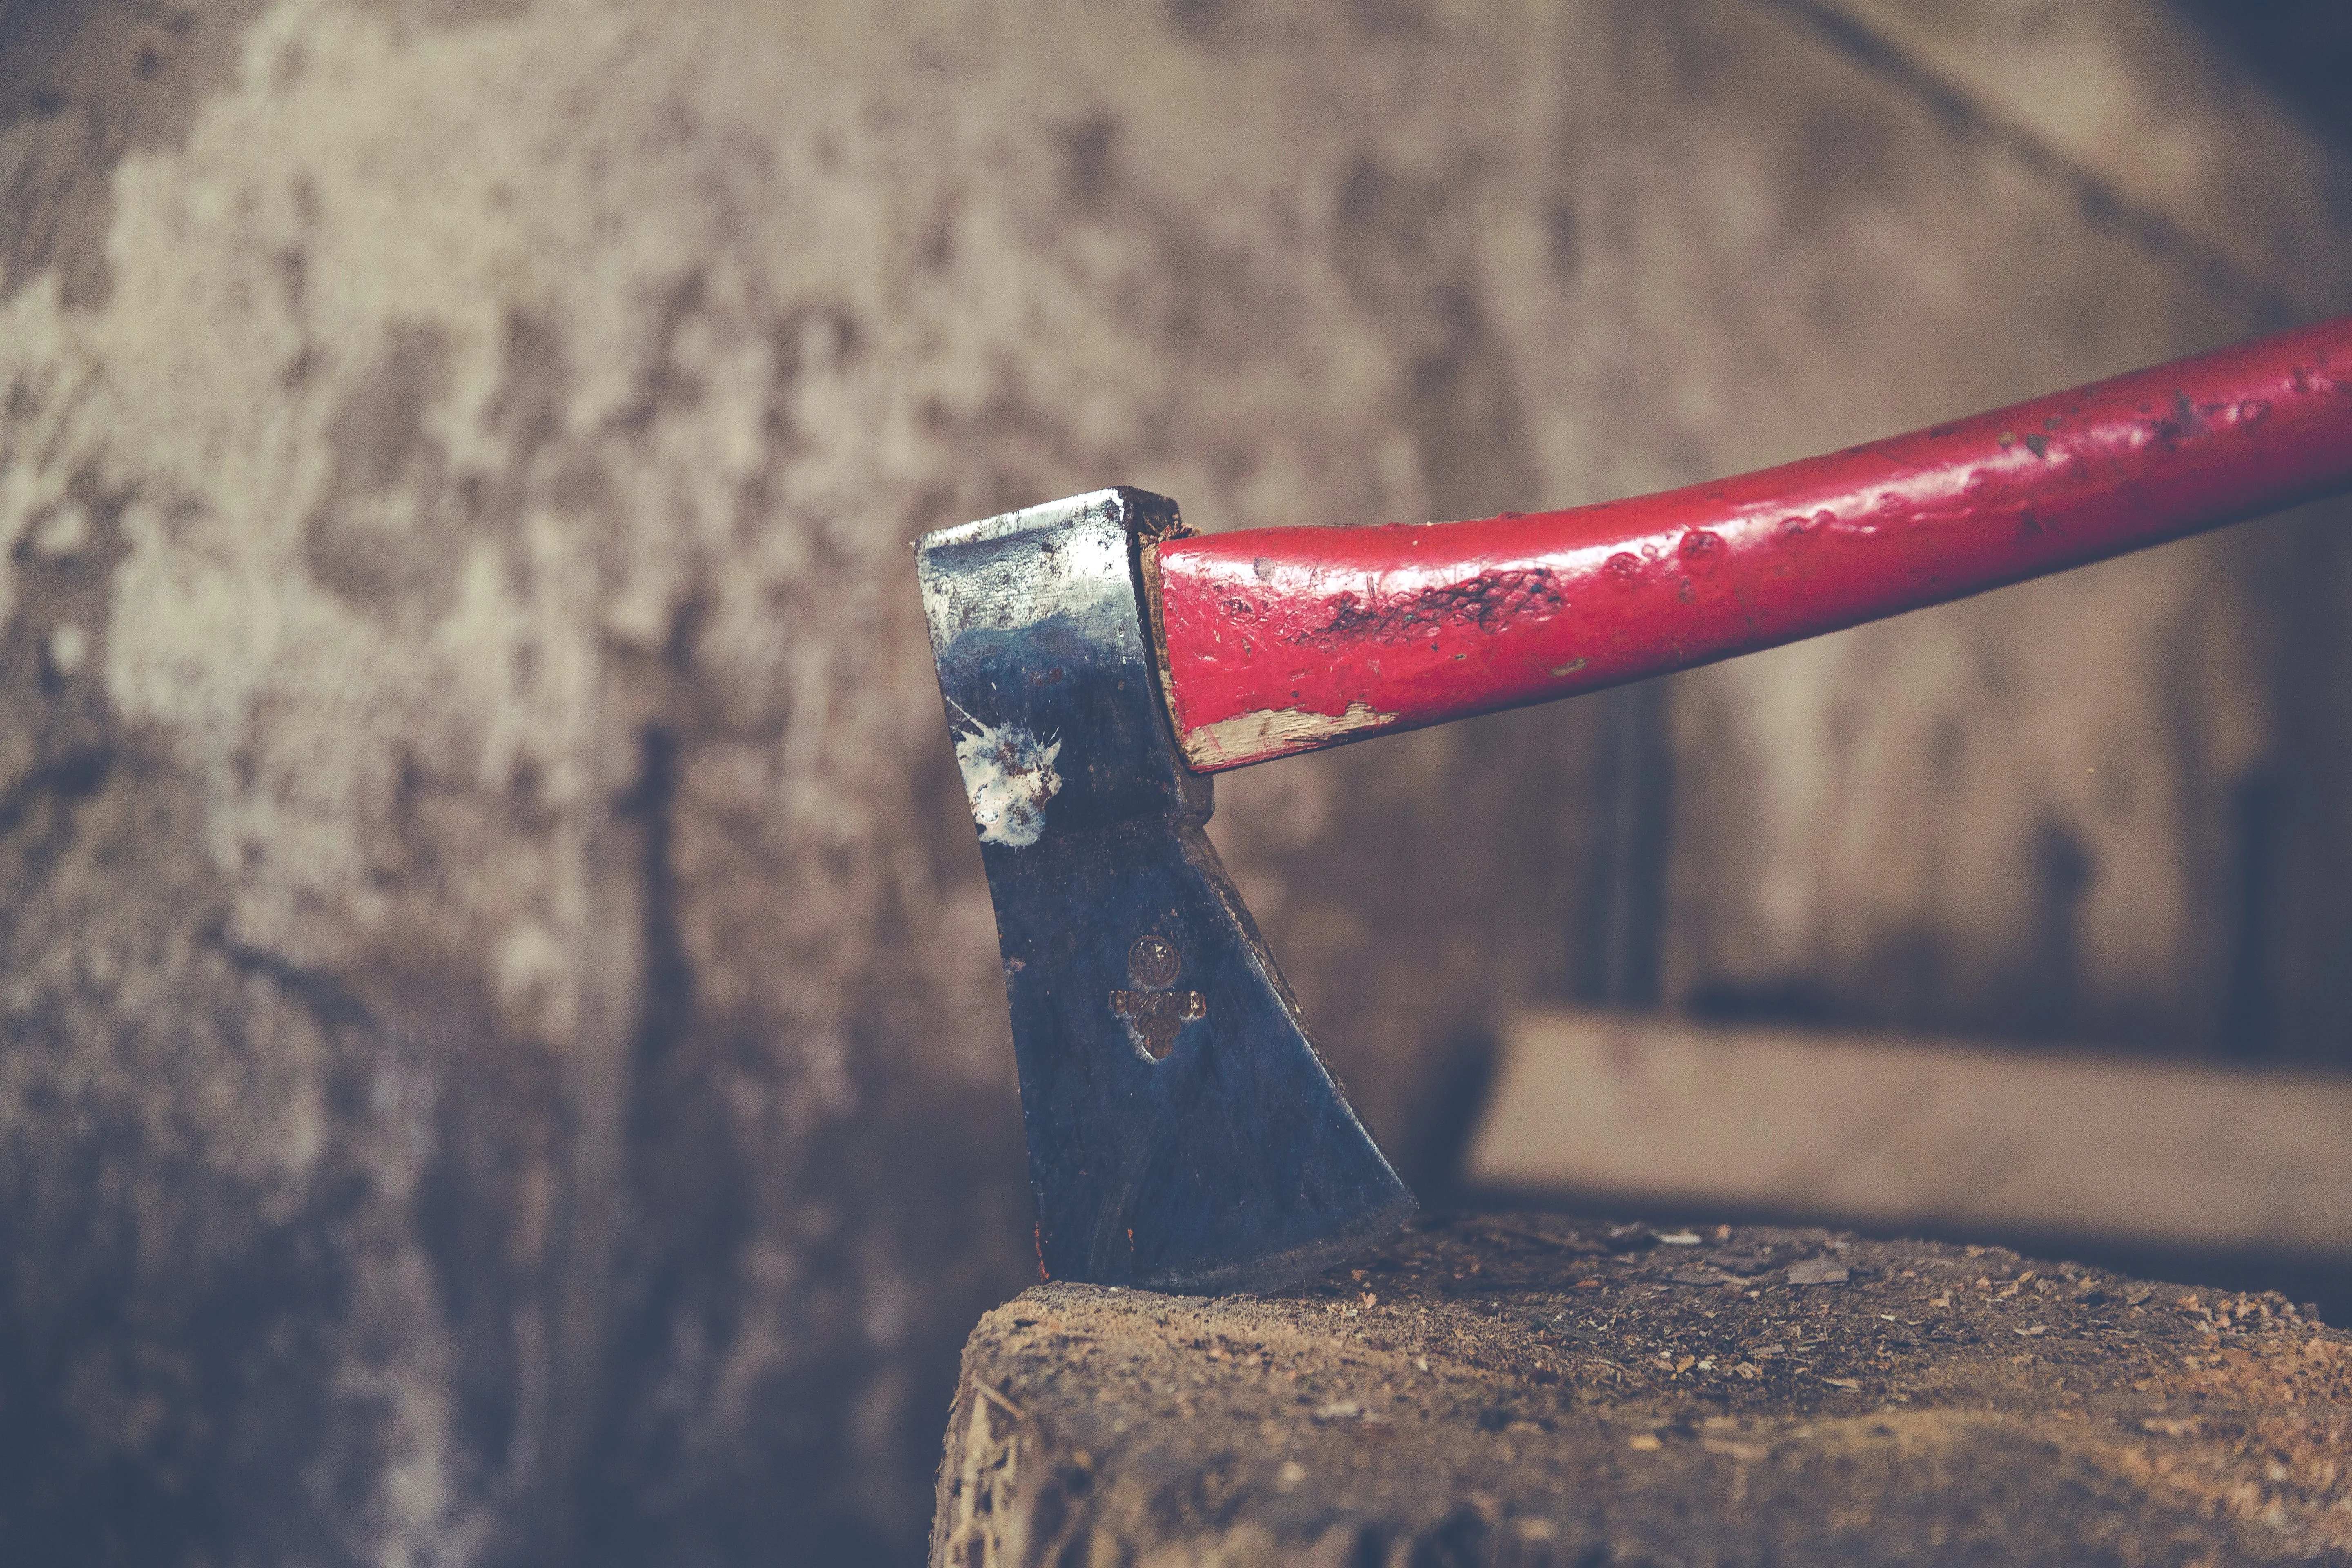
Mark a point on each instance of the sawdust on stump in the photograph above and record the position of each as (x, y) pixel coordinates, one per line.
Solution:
(1524, 1389)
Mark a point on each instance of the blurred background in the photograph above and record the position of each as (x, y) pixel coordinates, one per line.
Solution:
(501, 1057)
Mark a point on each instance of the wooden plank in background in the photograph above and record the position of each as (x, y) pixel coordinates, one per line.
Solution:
(1888, 1131)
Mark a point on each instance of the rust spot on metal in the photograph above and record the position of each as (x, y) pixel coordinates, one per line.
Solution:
(1154, 961)
(1156, 1017)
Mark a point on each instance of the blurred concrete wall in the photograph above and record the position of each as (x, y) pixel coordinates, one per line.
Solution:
(503, 1061)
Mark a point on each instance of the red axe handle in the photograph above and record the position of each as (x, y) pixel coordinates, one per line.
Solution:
(1277, 640)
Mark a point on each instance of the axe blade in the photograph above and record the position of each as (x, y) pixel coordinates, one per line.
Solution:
(1184, 1133)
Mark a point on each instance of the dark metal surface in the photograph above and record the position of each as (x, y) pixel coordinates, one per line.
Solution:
(1184, 1134)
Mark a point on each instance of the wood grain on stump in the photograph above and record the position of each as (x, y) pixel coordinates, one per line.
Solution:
(1526, 1389)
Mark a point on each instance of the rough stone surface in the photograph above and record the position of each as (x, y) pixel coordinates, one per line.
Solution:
(1531, 1390)
(504, 1061)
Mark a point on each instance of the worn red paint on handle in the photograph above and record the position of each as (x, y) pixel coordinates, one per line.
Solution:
(1282, 640)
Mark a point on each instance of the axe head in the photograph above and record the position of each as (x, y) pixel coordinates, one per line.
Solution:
(1184, 1133)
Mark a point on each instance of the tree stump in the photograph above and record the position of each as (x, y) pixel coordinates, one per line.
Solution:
(1532, 1390)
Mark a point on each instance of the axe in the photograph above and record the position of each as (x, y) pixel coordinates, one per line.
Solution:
(1099, 662)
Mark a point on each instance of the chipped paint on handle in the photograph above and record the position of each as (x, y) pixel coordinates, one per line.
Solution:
(1286, 641)
(1247, 737)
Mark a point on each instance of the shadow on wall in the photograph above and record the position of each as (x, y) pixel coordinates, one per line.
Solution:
(2302, 48)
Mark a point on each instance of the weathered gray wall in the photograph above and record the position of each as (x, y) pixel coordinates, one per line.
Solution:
(503, 1061)
(2083, 808)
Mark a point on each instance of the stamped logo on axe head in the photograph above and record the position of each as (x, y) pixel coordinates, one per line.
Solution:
(1155, 1014)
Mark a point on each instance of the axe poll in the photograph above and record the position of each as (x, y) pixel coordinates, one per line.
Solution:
(1099, 662)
